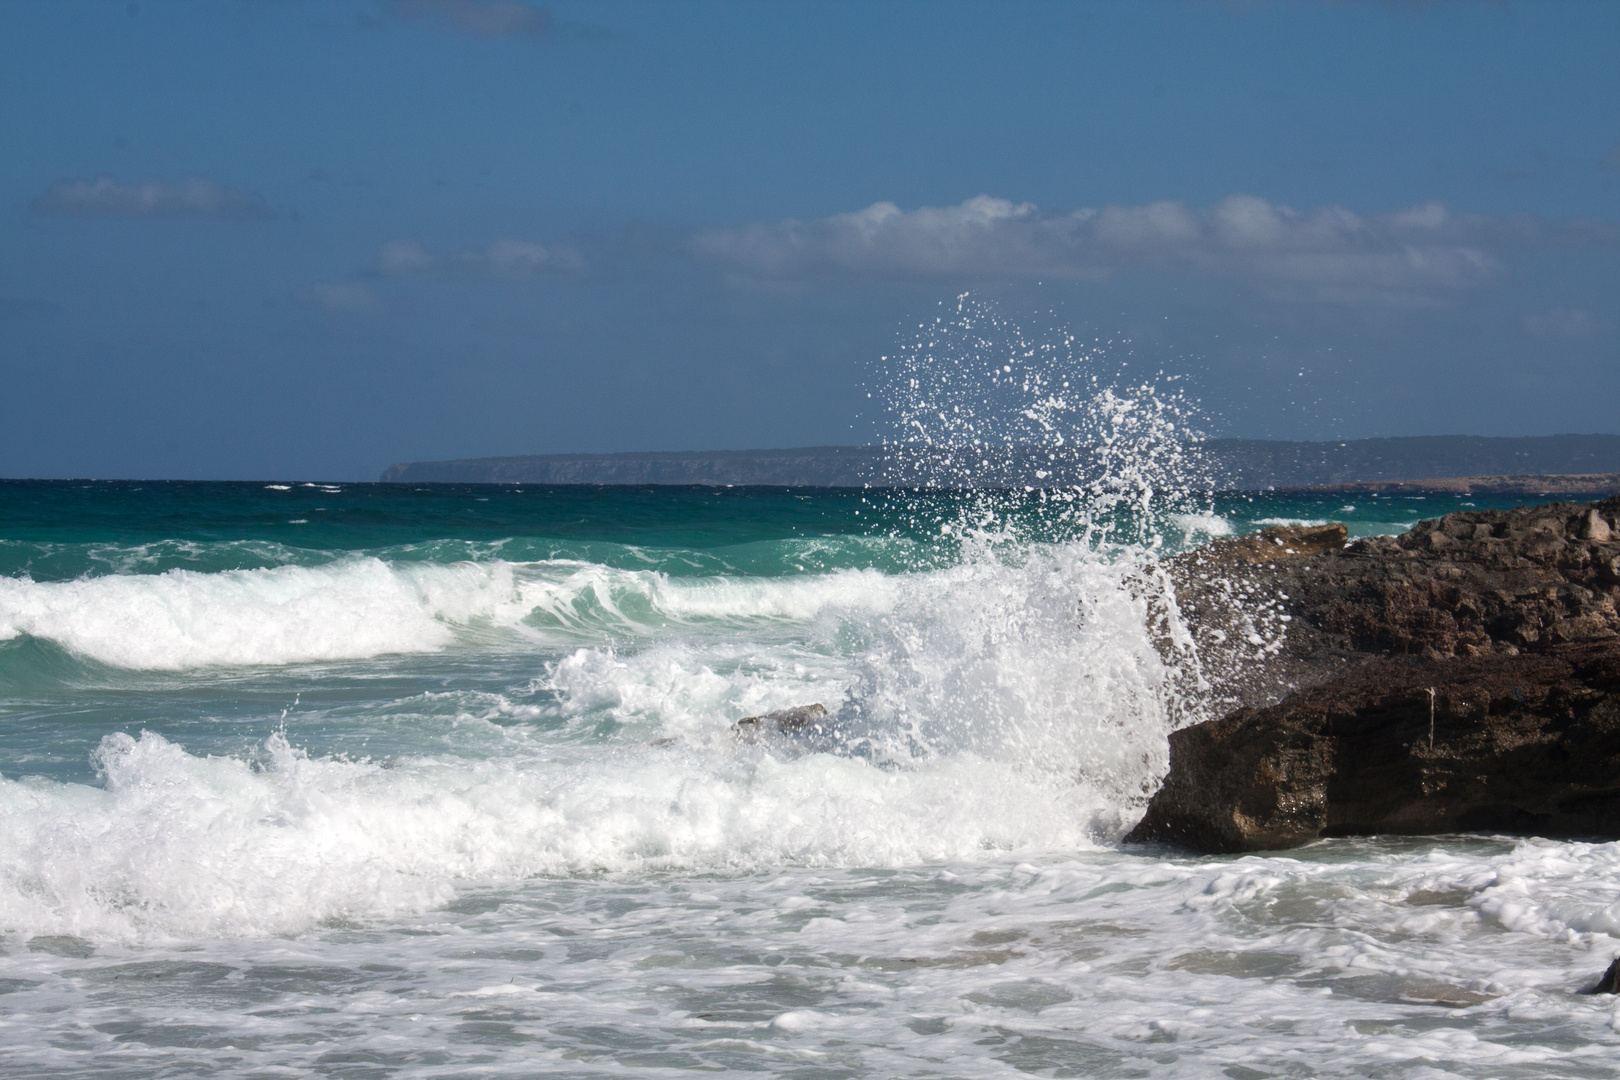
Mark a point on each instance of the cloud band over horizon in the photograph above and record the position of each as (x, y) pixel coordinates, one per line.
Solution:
(1415, 255)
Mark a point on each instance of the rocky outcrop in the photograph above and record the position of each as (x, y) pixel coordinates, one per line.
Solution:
(1525, 744)
(1462, 676)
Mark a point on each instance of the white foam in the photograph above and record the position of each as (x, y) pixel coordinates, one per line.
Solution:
(365, 607)
(1202, 524)
(178, 845)
(590, 597)
(1297, 522)
(989, 707)
(1062, 662)
(184, 619)
(1339, 959)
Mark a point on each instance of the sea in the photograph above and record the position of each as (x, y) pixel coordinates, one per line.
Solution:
(371, 781)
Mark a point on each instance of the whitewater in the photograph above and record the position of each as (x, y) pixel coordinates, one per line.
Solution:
(364, 780)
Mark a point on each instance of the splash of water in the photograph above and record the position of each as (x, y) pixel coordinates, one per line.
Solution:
(1015, 697)
(1059, 642)
(978, 404)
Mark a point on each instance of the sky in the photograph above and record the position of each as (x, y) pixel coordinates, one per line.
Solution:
(257, 239)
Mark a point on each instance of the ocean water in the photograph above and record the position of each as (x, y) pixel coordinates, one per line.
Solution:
(375, 781)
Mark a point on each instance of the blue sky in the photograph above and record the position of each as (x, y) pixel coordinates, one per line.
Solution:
(296, 239)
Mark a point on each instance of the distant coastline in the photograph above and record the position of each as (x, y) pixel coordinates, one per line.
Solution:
(1531, 465)
(1595, 485)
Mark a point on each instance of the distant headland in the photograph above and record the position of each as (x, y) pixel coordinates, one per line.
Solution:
(1546, 464)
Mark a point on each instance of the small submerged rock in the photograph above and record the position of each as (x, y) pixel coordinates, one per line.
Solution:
(1610, 983)
(797, 721)
(803, 726)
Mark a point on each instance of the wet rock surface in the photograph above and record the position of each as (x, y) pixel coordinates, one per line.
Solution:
(800, 720)
(1610, 982)
(1463, 676)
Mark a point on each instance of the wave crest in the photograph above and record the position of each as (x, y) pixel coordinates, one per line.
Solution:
(359, 608)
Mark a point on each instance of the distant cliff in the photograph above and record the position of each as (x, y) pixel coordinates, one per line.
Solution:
(810, 466)
(1254, 464)
(1240, 464)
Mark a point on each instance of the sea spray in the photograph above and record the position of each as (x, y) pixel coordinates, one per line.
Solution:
(976, 403)
(1070, 479)
(1010, 691)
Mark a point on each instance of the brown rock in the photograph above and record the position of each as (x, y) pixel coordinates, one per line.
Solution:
(1528, 744)
(799, 720)
(1508, 619)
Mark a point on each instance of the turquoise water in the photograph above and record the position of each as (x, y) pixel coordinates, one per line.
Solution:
(55, 530)
(380, 780)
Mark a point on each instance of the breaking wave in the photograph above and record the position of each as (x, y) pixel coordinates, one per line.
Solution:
(356, 609)
(1014, 697)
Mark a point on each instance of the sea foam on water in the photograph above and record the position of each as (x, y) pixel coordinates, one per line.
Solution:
(985, 708)
(547, 852)
(1015, 699)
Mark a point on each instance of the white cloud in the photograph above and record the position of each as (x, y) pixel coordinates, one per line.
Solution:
(480, 18)
(982, 236)
(190, 197)
(1562, 322)
(1416, 255)
(404, 258)
(352, 297)
(505, 260)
